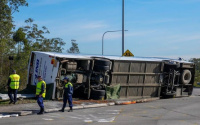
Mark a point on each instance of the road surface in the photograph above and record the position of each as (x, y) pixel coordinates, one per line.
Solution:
(178, 111)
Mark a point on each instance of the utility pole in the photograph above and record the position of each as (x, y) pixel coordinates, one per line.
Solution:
(122, 27)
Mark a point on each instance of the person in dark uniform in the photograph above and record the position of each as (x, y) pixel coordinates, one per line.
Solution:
(68, 92)
(13, 86)
(40, 94)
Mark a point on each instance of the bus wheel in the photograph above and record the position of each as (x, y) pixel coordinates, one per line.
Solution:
(186, 77)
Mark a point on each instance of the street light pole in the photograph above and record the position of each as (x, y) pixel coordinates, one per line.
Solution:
(122, 27)
(104, 35)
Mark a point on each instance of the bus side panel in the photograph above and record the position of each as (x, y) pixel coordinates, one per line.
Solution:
(43, 66)
(137, 78)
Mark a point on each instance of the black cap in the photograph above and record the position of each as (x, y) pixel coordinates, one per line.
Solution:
(39, 76)
(14, 71)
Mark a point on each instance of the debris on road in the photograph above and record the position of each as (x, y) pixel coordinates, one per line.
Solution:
(5, 96)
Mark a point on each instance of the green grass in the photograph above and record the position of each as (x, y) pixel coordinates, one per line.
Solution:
(195, 85)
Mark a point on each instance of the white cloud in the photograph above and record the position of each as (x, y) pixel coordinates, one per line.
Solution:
(83, 30)
(46, 2)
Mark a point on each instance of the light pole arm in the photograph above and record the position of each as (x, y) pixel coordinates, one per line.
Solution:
(104, 35)
(102, 40)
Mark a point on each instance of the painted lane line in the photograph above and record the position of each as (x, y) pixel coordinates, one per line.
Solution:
(75, 117)
(107, 120)
(48, 119)
(109, 113)
(88, 121)
(114, 110)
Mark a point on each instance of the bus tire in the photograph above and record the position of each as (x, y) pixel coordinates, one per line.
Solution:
(186, 77)
(101, 68)
(102, 62)
(98, 93)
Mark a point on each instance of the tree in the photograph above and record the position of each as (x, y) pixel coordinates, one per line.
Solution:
(74, 48)
(18, 37)
(7, 8)
(36, 40)
(196, 61)
(32, 38)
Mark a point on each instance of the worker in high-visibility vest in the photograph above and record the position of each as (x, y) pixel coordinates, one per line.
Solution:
(13, 86)
(40, 94)
(68, 91)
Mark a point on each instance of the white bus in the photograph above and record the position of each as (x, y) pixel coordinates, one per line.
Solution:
(91, 74)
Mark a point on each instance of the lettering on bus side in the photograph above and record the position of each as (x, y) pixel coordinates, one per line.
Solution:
(45, 71)
(36, 71)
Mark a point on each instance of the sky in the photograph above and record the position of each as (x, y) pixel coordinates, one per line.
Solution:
(156, 28)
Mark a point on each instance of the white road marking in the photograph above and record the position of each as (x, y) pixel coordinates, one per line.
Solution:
(47, 119)
(108, 113)
(88, 121)
(103, 116)
(75, 117)
(114, 110)
(107, 120)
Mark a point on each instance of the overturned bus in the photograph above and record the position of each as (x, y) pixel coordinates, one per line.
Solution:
(90, 75)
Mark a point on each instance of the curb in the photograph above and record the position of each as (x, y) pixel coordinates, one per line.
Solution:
(24, 113)
(135, 101)
(95, 105)
(15, 113)
(81, 107)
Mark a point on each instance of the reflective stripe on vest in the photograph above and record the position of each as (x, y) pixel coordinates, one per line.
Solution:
(39, 88)
(14, 84)
(66, 85)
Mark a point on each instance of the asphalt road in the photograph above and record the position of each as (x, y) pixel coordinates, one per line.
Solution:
(178, 111)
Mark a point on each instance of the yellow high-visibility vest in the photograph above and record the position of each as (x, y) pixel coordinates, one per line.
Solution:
(66, 85)
(39, 88)
(14, 84)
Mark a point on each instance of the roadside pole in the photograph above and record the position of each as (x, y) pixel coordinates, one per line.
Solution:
(122, 27)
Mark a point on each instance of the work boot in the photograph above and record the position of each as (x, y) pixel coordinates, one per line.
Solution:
(10, 102)
(41, 111)
(62, 110)
(70, 110)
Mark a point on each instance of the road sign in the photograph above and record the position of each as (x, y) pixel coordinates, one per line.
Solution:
(128, 53)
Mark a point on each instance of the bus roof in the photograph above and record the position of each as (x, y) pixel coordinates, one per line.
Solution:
(83, 56)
